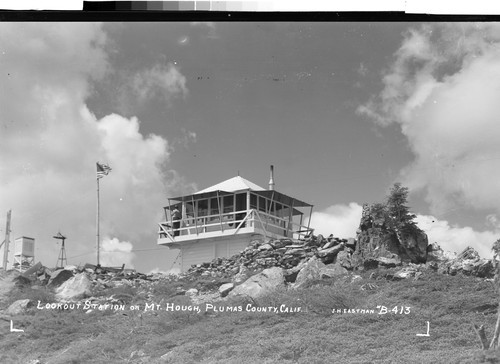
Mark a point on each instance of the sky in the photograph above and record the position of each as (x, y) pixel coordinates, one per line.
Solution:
(342, 111)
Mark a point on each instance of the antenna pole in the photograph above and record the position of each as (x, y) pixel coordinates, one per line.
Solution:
(97, 222)
(62, 252)
(6, 241)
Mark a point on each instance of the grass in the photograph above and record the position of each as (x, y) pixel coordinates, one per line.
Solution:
(314, 335)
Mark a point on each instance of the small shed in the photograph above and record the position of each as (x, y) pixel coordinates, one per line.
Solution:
(221, 220)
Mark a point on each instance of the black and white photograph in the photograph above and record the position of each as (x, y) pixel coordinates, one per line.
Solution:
(249, 192)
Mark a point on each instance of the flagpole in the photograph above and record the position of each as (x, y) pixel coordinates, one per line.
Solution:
(97, 222)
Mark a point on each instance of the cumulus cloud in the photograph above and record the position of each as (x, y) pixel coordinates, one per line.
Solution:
(50, 142)
(340, 220)
(114, 253)
(456, 238)
(442, 90)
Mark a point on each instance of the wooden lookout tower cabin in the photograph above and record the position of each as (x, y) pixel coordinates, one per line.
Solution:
(222, 220)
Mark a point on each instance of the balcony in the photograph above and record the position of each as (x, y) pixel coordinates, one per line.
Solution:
(227, 224)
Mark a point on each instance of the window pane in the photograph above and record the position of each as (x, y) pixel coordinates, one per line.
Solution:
(253, 201)
(262, 204)
(203, 208)
(228, 203)
(214, 206)
(241, 201)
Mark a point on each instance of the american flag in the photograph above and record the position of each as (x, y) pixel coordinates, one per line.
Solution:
(102, 170)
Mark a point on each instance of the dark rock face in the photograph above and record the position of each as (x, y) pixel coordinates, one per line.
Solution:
(378, 242)
(413, 243)
(59, 277)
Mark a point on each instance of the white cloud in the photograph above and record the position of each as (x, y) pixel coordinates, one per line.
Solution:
(160, 81)
(50, 142)
(362, 70)
(174, 271)
(188, 137)
(340, 220)
(455, 238)
(114, 253)
(443, 90)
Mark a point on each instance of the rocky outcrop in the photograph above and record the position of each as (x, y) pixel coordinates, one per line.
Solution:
(75, 287)
(59, 277)
(310, 271)
(380, 243)
(468, 262)
(259, 284)
(18, 307)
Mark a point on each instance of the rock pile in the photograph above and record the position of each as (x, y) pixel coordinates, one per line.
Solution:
(467, 262)
(289, 254)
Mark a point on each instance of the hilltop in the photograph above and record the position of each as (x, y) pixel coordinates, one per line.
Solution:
(362, 316)
(386, 296)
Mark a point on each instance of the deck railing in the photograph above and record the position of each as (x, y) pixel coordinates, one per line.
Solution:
(232, 222)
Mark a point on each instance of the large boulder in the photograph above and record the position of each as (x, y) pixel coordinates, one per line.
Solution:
(328, 255)
(332, 270)
(344, 258)
(77, 286)
(311, 270)
(261, 283)
(18, 307)
(59, 277)
(225, 289)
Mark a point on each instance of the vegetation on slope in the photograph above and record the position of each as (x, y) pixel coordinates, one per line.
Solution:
(314, 335)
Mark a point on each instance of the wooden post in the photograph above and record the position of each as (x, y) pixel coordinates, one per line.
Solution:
(195, 214)
(220, 212)
(482, 336)
(97, 223)
(494, 341)
(6, 241)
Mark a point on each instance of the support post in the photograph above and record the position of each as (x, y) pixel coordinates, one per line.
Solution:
(195, 214)
(220, 212)
(97, 223)
(6, 241)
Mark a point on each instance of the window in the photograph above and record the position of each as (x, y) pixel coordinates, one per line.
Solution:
(241, 201)
(202, 207)
(214, 206)
(253, 201)
(279, 210)
(262, 204)
(228, 204)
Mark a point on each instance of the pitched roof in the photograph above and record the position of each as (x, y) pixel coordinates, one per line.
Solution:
(237, 183)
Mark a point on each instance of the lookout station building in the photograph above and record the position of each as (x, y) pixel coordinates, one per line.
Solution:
(220, 221)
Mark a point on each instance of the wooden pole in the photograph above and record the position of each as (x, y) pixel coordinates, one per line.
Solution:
(97, 222)
(6, 241)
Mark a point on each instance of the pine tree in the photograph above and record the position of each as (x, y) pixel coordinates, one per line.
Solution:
(399, 212)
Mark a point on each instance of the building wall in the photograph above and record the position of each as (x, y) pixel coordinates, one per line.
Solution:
(207, 250)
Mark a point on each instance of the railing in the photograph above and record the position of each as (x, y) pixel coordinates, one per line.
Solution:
(233, 221)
